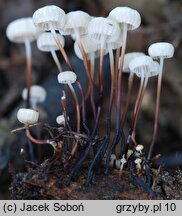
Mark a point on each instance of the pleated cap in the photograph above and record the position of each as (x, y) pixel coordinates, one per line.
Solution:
(49, 15)
(27, 116)
(67, 77)
(127, 59)
(47, 43)
(76, 21)
(88, 44)
(115, 44)
(161, 49)
(126, 15)
(37, 93)
(141, 65)
(22, 29)
(100, 27)
(154, 70)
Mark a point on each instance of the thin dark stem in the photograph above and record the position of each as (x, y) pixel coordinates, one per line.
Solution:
(137, 102)
(83, 107)
(130, 84)
(65, 109)
(157, 110)
(76, 104)
(96, 121)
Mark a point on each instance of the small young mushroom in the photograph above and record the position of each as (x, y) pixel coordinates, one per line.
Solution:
(161, 51)
(60, 120)
(23, 31)
(138, 162)
(37, 95)
(139, 148)
(47, 43)
(27, 116)
(69, 77)
(123, 161)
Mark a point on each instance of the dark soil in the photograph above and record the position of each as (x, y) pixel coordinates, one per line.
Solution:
(49, 181)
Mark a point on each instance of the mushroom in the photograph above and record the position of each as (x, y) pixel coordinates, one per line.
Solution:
(141, 66)
(76, 24)
(127, 59)
(123, 161)
(128, 19)
(37, 95)
(23, 31)
(60, 120)
(103, 30)
(69, 77)
(27, 116)
(138, 162)
(47, 43)
(139, 148)
(52, 18)
(161, 51)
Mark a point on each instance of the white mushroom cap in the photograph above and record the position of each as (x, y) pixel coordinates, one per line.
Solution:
(60, 120)
(67, 77)
(161, 49)
(27, 116)
(100, 27)
(154, 71)
(127, 59)
(76, 20)
(22, 29)
(47, 43)
(37, 93)
(115, 44)
(88, 44)
(138, 160)
(126, 15)
(139, 147)
(47, 15)
(141, 65)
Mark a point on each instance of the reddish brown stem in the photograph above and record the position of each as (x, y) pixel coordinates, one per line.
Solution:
(157, 110)
(130, 83)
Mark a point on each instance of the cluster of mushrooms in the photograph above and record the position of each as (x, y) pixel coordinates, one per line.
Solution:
(94, 38)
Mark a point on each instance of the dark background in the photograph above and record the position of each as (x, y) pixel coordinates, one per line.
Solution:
(161, 21)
